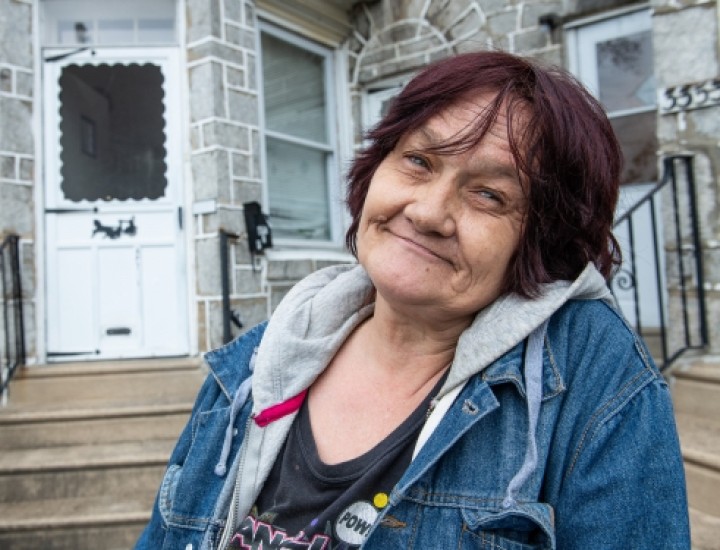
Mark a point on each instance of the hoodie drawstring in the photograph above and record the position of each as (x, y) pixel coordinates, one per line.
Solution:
(239, 399)
(533, 369)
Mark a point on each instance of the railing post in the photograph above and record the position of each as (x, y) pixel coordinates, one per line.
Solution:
(225, 284)
(697, 246)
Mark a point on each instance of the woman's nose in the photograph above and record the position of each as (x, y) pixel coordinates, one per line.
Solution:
(432, 209)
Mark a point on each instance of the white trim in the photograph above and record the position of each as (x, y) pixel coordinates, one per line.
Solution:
(39, 194)
(274, 255)
(332, 67)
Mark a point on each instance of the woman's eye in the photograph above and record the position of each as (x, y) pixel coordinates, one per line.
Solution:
(490, 195)
(418, 161)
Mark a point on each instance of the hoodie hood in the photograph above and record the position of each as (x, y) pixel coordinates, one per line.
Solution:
(320, 312)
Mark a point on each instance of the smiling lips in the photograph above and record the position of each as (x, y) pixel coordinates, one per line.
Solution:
(414, 243)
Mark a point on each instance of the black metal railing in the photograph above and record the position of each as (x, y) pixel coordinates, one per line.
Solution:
(658, 280)
(13, 324)
(229, 316)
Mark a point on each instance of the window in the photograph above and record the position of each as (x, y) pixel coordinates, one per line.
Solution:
(94, 22)
(299, 135)
(614, 58)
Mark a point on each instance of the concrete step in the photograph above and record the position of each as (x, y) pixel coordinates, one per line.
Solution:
(106, 384)
(705, 531)
(696, 388)
(27, 428)
(81, 523)
(83, 448)
(123, 470)
(700, 442)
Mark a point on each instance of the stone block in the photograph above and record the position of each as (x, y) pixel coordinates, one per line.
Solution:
(529, 40)
(202, 324)
(289, 270)
(247, 281)
(240, 37)
(470, 24)
(704, 123)
(685, 45)
(24, 83)
(233, 10)
(7, 167)
(478, 42)
(250, 311)
(208, 269)
(27, 170)
(16, 133)
(27, 269)
(444, 13)
(249, 14)
(503, 23)
(256, 151)
(196, 141)
(246, 191)
(241, 252)
(6, 80)
(16, 30)
(206, 91)
(229, 220)
(241, 165)
(216, 49)
(243, 107)
(251, 68)
(16, 205)
(211, 175)
(422, 45)
(224, 134)
(235, 77)
(377, 53)
(203, 19)
(667, 128)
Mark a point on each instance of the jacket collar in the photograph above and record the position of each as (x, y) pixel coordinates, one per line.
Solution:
(509, 369)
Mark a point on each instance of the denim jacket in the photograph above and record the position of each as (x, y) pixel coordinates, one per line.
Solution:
(608, 471)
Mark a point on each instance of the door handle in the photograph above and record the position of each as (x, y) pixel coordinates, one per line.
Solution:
(127, 227)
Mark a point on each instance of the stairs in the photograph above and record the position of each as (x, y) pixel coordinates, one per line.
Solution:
(696, 395)
(83, 448)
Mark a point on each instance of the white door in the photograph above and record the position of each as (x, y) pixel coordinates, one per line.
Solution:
(613, 57)
(115, 269)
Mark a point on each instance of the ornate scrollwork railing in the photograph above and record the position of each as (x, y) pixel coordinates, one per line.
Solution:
(655, 282)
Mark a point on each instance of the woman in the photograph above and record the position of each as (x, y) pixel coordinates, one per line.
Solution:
(469, 384)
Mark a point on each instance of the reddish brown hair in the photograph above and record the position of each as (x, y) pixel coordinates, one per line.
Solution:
(566, 152)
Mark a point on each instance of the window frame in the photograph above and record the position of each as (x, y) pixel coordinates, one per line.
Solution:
(336, 217)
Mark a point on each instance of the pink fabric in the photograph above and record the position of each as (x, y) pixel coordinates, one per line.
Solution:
(276, 412)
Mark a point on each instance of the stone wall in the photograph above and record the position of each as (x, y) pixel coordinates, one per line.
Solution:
(225, 156)
(687, 66)
(17, 148)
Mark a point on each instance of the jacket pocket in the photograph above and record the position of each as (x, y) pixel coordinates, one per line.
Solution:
(167, 491)
(527, 527)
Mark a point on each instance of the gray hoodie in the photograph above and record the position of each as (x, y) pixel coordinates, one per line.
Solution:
(318, 315)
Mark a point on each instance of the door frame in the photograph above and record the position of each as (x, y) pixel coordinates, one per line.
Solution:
(175, 130)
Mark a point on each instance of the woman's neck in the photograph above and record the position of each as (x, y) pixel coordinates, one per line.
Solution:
(409, 345)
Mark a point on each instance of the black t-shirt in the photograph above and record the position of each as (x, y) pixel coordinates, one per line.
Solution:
(306, 503)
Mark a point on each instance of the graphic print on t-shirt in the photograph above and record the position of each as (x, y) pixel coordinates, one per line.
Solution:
(351, 529)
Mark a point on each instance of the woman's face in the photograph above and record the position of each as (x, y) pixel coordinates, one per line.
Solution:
(438, 231)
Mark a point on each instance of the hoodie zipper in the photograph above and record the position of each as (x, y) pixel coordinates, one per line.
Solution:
(235, 502)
